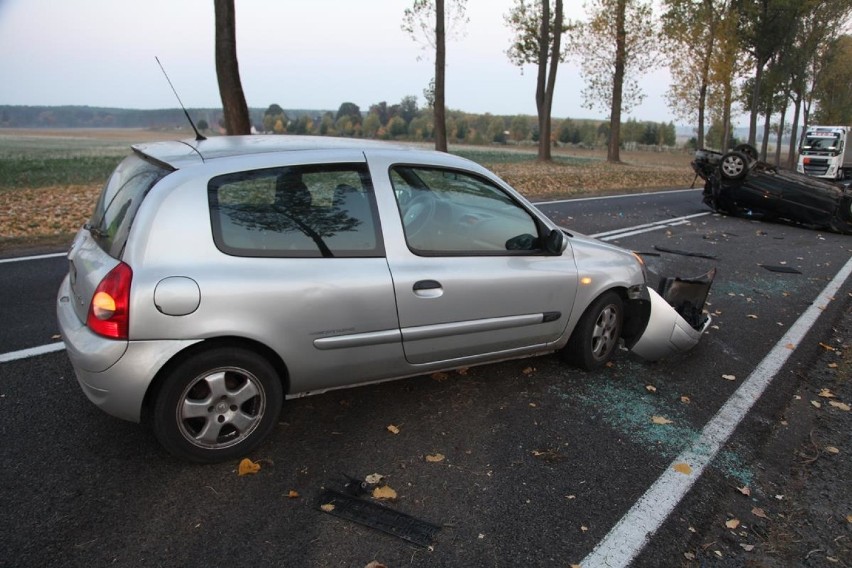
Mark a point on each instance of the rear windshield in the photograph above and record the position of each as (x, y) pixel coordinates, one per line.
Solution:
(119, 201)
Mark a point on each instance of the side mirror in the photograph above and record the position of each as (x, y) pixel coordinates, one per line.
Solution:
(555, 242)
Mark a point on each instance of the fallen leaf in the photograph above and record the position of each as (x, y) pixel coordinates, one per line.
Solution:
(533, 405)
(685, 399)
(328, 507)
(528, 370)
(683, 468)
(825, 393)
(832, 365)
(650, 388)
(375, 564)
(744, 490)
(832, 450)
(826, 347)
(689, 556)
(293, 494)
(747, 547)
(393, 429)
(481, 536)
(374, 478)
(790, 346)
(758, 512)
(247, 467)
(569, 497)
(692, 530)
(440, 377)
(435, 458)
(584, 528)
(660, 420)
(849, 518)
(840, 405)
(729, 377)
(718, 553)
(462, 371)
(732, 523)
(751, 316)
(384, 492)
(816, 404)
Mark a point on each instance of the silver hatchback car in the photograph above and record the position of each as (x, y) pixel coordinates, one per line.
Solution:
(218, 277)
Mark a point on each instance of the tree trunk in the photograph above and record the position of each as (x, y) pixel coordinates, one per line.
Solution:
(780, 136)
(439, 110)
(551, 80)
(613, 154)
(767, 127)
(755, 104)
(544, 154)
(726, 116)
(228, 71)
(792, 158)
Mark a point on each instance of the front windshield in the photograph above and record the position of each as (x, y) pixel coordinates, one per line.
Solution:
(822, 143)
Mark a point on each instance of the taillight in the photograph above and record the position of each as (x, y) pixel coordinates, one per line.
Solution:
(109, 312)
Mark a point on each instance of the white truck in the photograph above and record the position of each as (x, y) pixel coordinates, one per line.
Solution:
(825, 152)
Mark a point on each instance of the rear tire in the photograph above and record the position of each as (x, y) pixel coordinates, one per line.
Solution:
(734, 165)
(217, 405)
(597, 333)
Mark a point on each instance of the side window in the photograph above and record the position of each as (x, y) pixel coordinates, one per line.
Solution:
(455, 213)
(308, 211)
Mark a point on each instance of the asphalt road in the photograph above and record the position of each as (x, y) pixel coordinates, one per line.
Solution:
(540, 462)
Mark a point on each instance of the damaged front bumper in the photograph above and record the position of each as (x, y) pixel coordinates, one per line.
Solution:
(676, 320)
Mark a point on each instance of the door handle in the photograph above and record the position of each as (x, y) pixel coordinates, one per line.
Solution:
(428, 289)
(426, 285)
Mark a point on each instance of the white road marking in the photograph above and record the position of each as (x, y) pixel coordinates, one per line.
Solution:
(648, 227)
(39, 257)
(576, 199)
(31, 352)
(627, 538)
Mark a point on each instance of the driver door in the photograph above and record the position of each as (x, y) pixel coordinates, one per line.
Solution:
(473, 280)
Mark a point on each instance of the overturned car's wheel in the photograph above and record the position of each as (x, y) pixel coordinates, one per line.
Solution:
(596, 335)
(734, 165)
(747, 149)
(217, 405)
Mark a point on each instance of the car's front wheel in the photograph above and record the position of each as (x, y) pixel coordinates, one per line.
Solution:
(217, 405)
(597, 333)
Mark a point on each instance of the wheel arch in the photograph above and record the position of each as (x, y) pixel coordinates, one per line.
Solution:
(209, 345)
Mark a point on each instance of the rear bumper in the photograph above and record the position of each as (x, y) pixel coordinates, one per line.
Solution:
(114, 375)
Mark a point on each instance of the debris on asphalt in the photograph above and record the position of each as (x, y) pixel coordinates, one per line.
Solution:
(782, 269)
(686, 253)
(379, 517)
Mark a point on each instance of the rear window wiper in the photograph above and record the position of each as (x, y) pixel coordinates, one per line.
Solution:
(95, 231)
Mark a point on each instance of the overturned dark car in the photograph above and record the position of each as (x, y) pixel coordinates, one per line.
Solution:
(737, 183)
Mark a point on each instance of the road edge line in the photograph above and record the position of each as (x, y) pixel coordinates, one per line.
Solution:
(634, 530)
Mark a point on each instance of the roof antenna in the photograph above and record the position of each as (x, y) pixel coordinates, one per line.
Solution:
(198, 136)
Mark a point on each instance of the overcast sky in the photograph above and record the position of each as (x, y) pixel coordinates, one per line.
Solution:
(312, 54)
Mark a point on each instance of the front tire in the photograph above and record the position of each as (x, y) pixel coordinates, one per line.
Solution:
(597, 333)
(217, 405)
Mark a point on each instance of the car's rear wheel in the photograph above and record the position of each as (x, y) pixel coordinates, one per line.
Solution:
(217, 405)
(734, 165)
(597, 333)
(747, 149)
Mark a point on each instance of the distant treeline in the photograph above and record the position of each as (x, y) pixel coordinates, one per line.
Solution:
(103, 117)
(404, 121)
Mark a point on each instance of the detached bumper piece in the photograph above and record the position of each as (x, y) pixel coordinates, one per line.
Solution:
(677, 319)
(379, 517)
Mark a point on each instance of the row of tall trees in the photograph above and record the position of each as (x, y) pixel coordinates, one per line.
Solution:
(769, 56)
(773, 58)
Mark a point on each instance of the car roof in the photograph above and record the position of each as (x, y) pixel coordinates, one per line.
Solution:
(182, 153)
